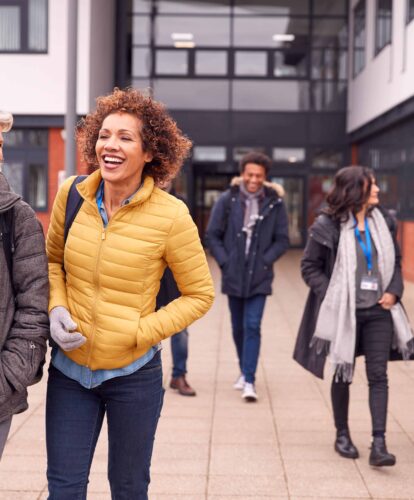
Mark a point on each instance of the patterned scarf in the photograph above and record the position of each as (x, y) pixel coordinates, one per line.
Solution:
(251, 212)
(336, 325)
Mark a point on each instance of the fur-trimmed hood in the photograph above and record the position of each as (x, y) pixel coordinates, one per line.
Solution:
(278, 188)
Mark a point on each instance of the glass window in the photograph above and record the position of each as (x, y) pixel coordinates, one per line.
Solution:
(141, 6)
(410, 10)
(276, 32)
(290, 63)
(330, 32)
(13, 171)
(142, 84)
(270, 95)
(288, 155)
(330, 7)
(14, 138)
(171, 62)
(23, 26)
(141, 62)
(141, 30)
(319, 187)
(209, 153)
(197, 31)
(37, 186)
(211, 62)
(276, 7)
(359, 37)
(250, 63)
(193, 94)
(327, 158)
(193, 7)
(329, 64)
(383, 22)
(329, 96)
(9, 28)
(240, 151)
(38, 138)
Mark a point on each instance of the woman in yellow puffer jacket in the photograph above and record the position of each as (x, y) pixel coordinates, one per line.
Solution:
(104, 282)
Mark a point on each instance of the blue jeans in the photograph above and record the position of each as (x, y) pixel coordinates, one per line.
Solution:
(246, 318)
(179, 350)
(74, 417)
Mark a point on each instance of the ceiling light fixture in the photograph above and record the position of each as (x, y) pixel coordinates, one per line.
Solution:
(283, 37)
(182, 36)
(184, 45)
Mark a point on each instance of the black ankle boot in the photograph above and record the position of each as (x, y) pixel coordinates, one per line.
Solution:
(379, 455)
(344, 445)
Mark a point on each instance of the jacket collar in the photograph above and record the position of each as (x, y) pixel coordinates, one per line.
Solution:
(88, 188)
(7, 197)
(271, 188)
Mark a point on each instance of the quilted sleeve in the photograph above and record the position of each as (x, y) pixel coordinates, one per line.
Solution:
(185, 257)
(55, 248)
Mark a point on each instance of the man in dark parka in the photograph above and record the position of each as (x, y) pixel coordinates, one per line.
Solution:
(24, 323)
(246, 234)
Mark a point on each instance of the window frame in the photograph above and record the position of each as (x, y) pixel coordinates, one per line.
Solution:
(24, 28)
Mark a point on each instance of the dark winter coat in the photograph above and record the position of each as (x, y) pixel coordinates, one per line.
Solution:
(248, 276)
(24, 323)
(317, 265)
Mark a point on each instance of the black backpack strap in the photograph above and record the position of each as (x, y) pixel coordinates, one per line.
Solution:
(7, 238)
(73, 204)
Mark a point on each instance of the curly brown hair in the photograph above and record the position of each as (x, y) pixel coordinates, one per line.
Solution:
(160, 135)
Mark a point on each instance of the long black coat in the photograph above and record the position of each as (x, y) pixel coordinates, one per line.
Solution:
(317, 265)
(248, 276)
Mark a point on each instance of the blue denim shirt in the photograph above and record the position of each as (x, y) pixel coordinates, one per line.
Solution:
(92, 378)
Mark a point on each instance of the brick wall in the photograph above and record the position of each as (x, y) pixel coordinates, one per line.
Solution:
(407, 244)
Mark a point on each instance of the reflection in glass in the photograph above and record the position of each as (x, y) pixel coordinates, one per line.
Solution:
(37, 186)
(193, 7)
(270, 32)
(211, 62)
(276, 7)
(294, 205)
(171, 62)
(37, 25)
(329, 64)
(330, 32)
(329, 95)
(291, 63)
(209, 153)
(193, 94)
(383, 28)
(288, 155)
(141, 29)
(327, 158)
(270, 95)
(200, 28)
(13, 171)
(250, 63)
(141, 62)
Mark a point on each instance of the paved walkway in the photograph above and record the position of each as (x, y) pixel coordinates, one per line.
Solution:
(216, 447)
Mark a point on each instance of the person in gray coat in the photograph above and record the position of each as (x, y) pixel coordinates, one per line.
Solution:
(24, 324)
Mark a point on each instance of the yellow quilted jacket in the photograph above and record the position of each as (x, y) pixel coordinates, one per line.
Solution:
(113, 274)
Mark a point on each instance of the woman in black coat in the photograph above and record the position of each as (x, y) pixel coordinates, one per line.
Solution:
(352, 265)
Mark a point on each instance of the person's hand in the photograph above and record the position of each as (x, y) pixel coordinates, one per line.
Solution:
(62, 329)
(387, 300)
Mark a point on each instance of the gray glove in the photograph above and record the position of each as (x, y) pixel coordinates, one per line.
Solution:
(61, 329)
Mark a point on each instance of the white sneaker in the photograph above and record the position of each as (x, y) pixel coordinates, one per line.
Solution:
(239, 384)
(249, 393)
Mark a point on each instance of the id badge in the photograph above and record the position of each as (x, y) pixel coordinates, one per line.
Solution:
(369, 282)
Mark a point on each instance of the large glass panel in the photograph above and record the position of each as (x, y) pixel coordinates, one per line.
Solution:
(276, 7)
(37, 25)
(171, 31)
(141, 62)
(37, 186)
(277, 32)
(209, 153)
(327, 158)
(330, 7)
(9, 28)
(171, 62)
(211, 62)
(329, 96)
(288, 155)
(359, 37)
(291, 63)
(330, 32)
(329, 64)
(250, 63)
(294, 190)
(193, 7)
(141, 6)
(319, 187)
(38, 138)
(14, 138)
(141, 30)
(193, 94)
(410, 10)
(270, 95)
(143, 84)
(13, 171)
(383, 28)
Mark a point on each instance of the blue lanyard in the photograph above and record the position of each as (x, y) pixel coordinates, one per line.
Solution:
(366, 248)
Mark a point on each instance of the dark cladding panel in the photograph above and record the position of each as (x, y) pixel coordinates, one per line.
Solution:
(327, 128)
(204, 128)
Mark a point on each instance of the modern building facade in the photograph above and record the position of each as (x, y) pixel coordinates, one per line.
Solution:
(269, 75)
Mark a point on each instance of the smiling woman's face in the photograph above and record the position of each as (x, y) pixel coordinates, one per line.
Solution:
(119, 150)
